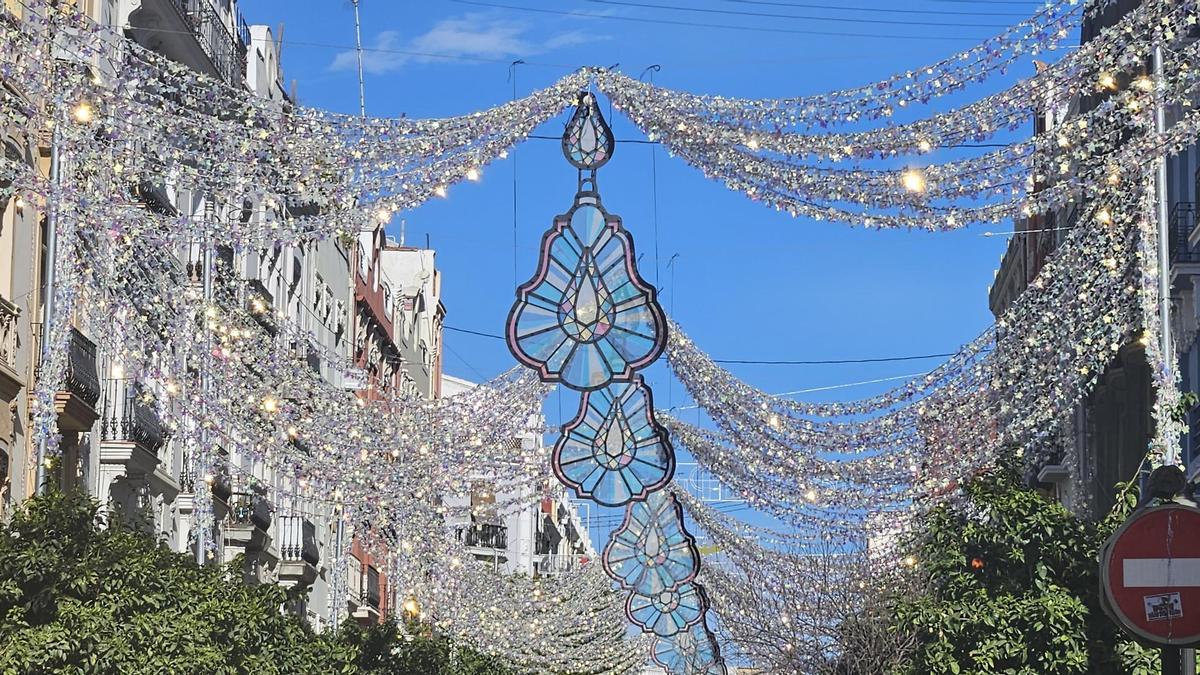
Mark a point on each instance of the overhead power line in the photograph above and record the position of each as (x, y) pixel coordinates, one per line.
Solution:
(766, 362)
(699, 24)
(776, 15)
(880, 10)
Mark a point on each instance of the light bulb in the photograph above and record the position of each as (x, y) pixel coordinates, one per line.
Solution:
(1107, 81)
(914, 180)
(440, 191)
(82, 113)
(473, 174)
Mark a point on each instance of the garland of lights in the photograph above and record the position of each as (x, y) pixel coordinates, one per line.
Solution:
(308, 175)
(1122, 47)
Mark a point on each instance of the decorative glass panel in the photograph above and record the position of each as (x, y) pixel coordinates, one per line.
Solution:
(588, 141)
(691, 651)
(614, 452)
(587, 318)
(668, 612)
(652, 551)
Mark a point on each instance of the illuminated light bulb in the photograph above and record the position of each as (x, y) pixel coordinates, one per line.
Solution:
(210, 312)
(1144, 83)
(1063, 141)
(910, 561)
(385, 214)
(503, 154)
(82, 113)
(914, 180)
(811, 495)
(172, 388)
(1144, 340)
(411, 606)
(1107, 81)
(293, 432)
(440, 191)
(925, 146)
(270, 404)
(473, 174)
(752, 143)
(1104, 216)
(1114, 178)
(773, 421)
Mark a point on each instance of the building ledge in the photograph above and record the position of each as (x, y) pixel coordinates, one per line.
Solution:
(1054, 473)
(136, 459)
(297, 572)
(74, 413)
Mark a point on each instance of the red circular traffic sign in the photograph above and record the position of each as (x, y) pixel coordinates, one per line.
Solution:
(1150, 575)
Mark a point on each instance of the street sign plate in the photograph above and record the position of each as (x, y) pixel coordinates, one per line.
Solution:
(1150, 575)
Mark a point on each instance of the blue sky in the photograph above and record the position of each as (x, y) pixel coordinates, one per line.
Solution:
(747, 282)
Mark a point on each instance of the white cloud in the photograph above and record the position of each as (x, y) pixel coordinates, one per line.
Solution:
(466, 37)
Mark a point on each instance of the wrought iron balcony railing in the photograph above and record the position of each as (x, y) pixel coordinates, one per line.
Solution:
(298, 540)
(82, 379)
(249, 508)
(129, 415)
(226, 51)
(1182, 222)
(483, 536)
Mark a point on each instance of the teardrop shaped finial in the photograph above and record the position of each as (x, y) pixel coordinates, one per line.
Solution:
(587, 142)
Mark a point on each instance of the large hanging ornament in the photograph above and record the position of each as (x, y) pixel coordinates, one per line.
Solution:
(668, 612)
(652, 551)
(589, 321)
(587, 318)
(694, 651)
(614, 451)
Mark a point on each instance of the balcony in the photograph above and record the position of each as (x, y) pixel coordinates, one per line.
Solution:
(555, 564)
(131, 436)
(195, 33)
(298, 551)
(484, 535)
(76, 402)
(365, 592)
(246, 524)
(249, 508)
(129, 416)
(10, 380)
(1184, 248)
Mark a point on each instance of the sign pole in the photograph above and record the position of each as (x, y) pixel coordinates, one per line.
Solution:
(1172, 661)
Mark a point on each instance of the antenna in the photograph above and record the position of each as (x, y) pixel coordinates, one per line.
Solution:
(362, 92)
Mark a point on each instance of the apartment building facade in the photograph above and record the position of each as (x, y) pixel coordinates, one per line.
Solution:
(545, 538)
(1106, 437)
(330, 303)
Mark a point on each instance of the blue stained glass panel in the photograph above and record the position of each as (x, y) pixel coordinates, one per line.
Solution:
(652, 551)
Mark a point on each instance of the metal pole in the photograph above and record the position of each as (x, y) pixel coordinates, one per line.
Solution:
(198, 481)
(1172, 663)
(48, 267)
(1171, 455)
(335, 591)
(362, 92)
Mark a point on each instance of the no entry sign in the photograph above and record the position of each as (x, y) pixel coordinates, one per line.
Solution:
(1150, 575)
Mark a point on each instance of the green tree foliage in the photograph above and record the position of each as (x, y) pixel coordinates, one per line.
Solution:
(385, 648)
(1012, 585)
(79, 598)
